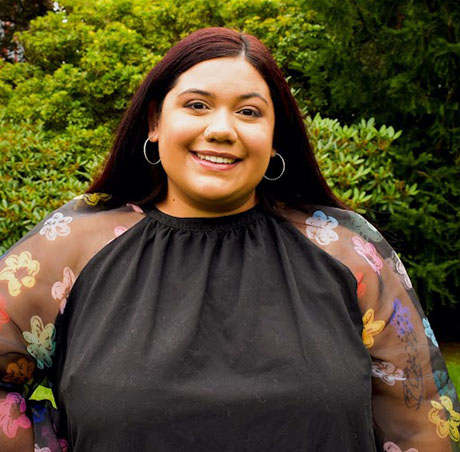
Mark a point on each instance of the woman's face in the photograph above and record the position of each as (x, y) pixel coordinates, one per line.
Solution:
(215, 135)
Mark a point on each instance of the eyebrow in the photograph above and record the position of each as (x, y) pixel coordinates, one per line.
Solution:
(207, 93)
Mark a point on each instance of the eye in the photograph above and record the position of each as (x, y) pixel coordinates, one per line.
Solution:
(197, 106)
(250, 112)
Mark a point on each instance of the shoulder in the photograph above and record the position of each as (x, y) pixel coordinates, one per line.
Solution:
(345, 235)
(87, 215)
(67, 239)
(356, 243)
(329, 226)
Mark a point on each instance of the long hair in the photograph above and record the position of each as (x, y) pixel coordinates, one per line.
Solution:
(128, 177)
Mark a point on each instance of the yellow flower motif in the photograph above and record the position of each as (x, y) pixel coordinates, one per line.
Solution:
(371, 328)
(92, 199)
(19, 272)
(447, 420)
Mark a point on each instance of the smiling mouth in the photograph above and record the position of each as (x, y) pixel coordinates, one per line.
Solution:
(216, 159)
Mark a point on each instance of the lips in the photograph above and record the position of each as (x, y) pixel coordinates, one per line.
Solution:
(216, 157)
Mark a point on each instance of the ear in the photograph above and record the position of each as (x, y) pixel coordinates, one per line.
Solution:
(273, 153)
(154, 118)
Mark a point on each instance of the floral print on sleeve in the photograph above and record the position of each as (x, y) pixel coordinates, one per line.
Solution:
(119, 230)
(447, 420)
(387, 372)
(417, 407)
(93, 199)
(392, 447)
(56, 226)
(61, 289)
(371, 328)
(4, 317)
(400, 319)
(429, 332)
(19, 371)
(41, 341)
(12, 414)
(361, 285)
(20, 272)
(368, 252)
(394, 262)
(36, 278)
(320, 228)
(135, 207)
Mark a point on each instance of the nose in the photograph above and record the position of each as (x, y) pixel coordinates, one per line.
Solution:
(220, 128)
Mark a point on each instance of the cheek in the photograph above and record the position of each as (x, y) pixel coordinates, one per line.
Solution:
(178, 132)
(259, 143)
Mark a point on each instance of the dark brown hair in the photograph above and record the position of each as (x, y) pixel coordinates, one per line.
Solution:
(129, 178)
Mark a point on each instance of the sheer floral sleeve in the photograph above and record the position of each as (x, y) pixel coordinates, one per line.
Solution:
(415, 405)
(36, 276)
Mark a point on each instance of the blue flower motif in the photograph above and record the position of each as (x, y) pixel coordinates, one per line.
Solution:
(429, 332)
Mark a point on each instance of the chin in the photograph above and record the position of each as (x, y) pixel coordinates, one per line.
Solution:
(220, 202)
(214, 192)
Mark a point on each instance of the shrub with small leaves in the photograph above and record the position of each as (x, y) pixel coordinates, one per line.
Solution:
(357, 164)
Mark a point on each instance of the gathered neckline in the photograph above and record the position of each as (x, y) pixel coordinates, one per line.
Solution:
(224, 222)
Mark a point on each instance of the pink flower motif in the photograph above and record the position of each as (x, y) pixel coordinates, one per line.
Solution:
(55, 444)
(368, 251)
(392, 447)
(12, 414)
(61, 289)
(119, 230)
(387, 372)
(63, 444)
(135, 208)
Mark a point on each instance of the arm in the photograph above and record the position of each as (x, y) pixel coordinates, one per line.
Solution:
(415, 404)
(36, 276)
(27, 312)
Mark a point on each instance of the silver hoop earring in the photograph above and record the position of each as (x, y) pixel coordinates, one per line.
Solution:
(145, 154)
(282, 172)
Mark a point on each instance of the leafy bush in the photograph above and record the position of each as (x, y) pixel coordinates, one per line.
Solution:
(358, 166)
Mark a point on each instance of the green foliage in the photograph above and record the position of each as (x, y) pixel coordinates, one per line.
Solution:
(357, 164)
(396, 62)
(39, 171)
(451, 353)
(454, 373)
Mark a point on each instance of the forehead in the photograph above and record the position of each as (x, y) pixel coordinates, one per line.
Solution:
(229, 75)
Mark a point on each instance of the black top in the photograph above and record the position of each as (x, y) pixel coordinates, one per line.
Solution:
(224, 334)
(240, 333)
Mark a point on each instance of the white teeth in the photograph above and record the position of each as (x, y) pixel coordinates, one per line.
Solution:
(215, 158)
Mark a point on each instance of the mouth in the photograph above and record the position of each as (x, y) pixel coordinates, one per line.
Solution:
(217, 158)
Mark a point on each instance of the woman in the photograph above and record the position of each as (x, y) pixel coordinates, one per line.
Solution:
(210, 293)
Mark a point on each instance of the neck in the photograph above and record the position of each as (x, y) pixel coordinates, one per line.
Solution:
(176, 207)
